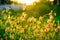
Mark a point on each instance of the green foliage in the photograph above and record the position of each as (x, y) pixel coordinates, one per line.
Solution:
(39, 9)
(25, 27)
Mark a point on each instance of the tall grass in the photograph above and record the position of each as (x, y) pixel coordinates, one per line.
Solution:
(17, 26)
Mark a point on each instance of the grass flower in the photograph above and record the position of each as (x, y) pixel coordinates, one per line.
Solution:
(7, 29)
(28, 28)
(21, 30)
(40, 18)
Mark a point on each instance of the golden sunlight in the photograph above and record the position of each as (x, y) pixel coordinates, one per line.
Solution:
(27, 2)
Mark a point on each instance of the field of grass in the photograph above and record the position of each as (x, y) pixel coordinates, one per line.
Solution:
(19, 26)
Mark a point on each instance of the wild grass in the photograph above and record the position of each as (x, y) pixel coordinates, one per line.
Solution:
(19, 26)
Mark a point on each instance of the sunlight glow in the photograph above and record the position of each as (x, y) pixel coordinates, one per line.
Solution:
(27, 2)
(51, 0)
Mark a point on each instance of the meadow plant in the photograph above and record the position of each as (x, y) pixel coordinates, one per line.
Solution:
(28, 28)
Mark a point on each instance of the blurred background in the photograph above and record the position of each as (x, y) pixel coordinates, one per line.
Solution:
(29, 19)
(39, 6)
